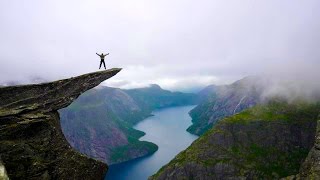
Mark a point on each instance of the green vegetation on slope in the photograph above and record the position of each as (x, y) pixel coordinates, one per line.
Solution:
(154, 97)
(222, 101)
(97, 129)
(277, 110)
(266, 141)
(99, 123)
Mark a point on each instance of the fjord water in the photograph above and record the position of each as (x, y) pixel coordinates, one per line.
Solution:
(167, 129)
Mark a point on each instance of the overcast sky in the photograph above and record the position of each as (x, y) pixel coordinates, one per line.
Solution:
(178, 44)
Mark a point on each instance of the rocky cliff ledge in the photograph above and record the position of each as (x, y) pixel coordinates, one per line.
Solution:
(32, 145)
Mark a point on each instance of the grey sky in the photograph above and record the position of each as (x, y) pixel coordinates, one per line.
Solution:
(180, 44)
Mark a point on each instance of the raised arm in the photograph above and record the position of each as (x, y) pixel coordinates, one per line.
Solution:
(97, 54)
(107, 54)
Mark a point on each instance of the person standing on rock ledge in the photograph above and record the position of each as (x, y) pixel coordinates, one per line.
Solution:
(102, 59)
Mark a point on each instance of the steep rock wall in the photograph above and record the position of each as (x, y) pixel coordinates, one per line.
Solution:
(32, 145)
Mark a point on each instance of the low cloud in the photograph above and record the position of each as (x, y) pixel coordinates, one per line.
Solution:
(181, 45)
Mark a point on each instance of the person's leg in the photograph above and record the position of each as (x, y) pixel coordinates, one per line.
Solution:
(104, 64)
(100, 64)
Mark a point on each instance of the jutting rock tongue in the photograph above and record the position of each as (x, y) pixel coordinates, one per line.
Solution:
(32, 145)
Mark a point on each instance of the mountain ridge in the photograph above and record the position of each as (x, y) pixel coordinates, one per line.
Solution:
(217, 102)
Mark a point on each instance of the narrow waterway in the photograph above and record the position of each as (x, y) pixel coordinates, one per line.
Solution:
(167, 129)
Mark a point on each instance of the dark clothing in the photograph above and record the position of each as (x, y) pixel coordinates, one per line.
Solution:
(102, 55)
(102, 60)
(104, 64)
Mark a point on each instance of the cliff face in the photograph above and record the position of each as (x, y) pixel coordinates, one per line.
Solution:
(32, 145)
(218, 102)
(100, 122)
(264, 142)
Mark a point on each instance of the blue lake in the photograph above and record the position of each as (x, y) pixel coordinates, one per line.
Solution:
(167, 129)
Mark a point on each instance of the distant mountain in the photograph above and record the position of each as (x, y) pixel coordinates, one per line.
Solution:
(217, 102)
(99, 123)
(154, 97)
(268, 141)
(32, 80)
(10, 83)
(207, 93)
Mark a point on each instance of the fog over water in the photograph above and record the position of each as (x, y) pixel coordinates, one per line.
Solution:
(181, 45)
